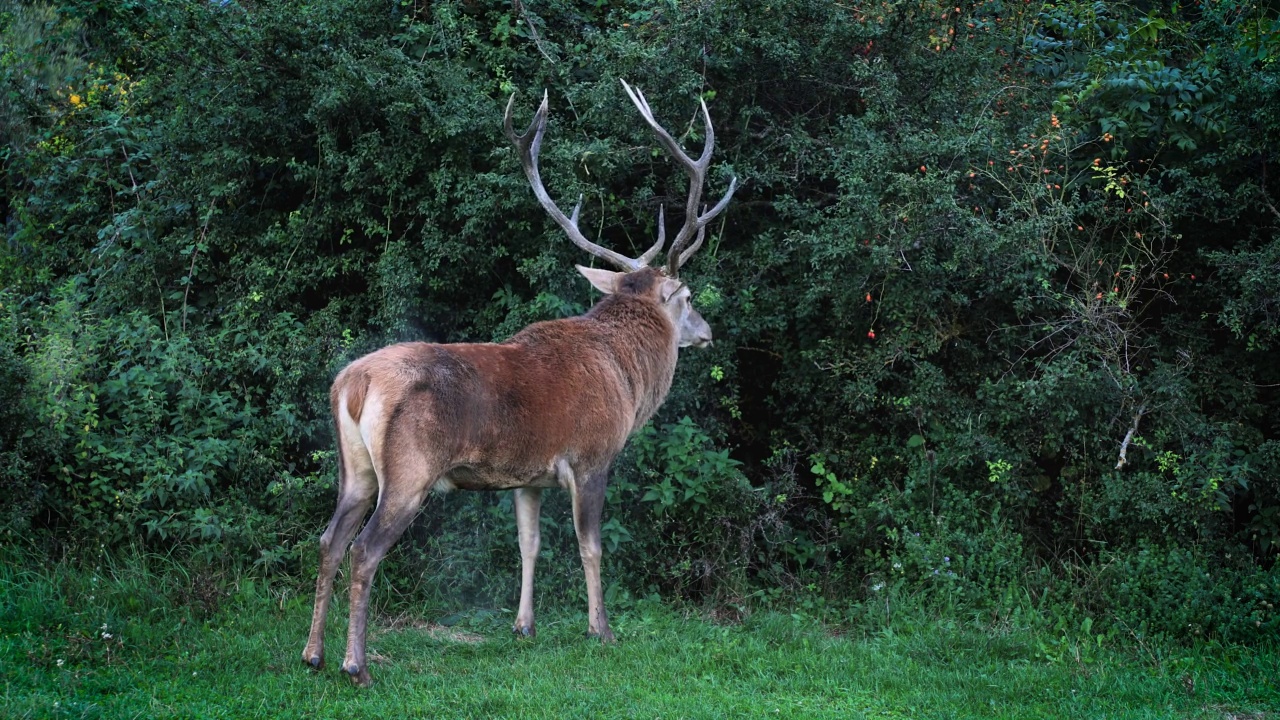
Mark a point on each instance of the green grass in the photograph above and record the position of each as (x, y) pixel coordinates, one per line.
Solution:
(171, 653)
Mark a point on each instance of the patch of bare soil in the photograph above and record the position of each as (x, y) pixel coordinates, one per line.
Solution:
(406, 621)
(1232, 715)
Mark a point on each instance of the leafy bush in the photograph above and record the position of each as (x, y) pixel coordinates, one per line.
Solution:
(694, 525)
(995, 298)
(1177, 593)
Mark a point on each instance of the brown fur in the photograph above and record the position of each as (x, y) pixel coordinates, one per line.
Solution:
(355, 389)
(578, 386)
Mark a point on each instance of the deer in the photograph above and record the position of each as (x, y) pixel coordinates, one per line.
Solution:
(551, 407)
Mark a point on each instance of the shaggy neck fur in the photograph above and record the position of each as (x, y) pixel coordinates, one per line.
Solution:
(643, 343)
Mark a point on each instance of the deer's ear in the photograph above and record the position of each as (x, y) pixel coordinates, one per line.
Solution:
(606, 281)
(668, 289)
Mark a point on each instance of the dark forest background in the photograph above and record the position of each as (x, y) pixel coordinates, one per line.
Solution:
(996, 303)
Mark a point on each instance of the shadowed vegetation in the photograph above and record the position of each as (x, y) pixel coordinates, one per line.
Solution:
(996, 308)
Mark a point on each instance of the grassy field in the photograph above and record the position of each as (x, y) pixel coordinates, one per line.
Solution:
(94, 644)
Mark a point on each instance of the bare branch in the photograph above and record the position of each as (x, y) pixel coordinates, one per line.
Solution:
(1263, 193)
(195, 253)
(533, 31)
(1128, 437)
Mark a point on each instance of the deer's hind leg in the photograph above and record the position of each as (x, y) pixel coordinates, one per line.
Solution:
(406, 478)
(357, 488)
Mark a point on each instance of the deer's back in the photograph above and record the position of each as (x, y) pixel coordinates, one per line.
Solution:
(499, 415)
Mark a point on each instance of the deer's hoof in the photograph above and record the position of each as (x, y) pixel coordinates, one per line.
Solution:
(359, 676)
(604, 636)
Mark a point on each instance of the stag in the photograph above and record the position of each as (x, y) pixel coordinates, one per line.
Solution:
(550, 407)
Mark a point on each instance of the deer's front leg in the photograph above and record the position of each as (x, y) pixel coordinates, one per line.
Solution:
(588, 506)
(528, 502)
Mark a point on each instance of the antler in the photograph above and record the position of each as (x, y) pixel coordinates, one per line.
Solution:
(694, 224)
(528, 146)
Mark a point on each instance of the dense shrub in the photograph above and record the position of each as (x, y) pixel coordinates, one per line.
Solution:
(993, 305)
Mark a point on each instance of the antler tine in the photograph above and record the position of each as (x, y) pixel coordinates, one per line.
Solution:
(694, 224)
(528, 145)
(664, 137)
(697, 243)
(701, 225)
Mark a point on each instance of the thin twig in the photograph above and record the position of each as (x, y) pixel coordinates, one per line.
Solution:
(128, 162)
(164, 315)
(1266, 200)
(195, 252)
(533, 32)
(1128, 437)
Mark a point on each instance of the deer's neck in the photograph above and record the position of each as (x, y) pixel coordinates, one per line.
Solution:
(644, 345)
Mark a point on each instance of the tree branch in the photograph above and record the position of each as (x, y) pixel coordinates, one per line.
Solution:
(533, 31)
(191, 273)
(1128, 437)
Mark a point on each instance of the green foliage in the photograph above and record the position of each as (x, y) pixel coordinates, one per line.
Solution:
(698, 513)
(1178, 592)
(681, 467)
(1140, 78)
(976, 251)
(146, 436)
